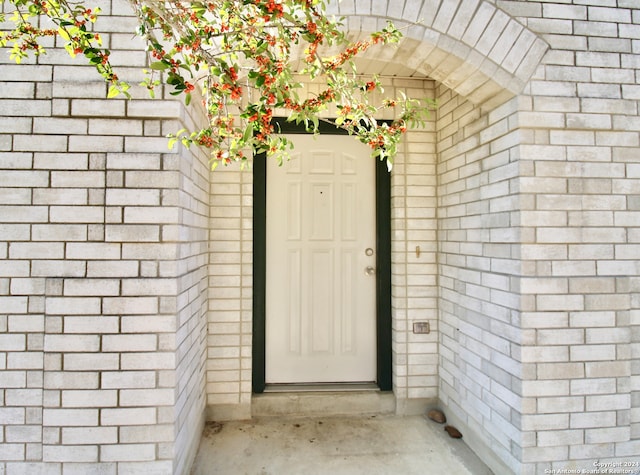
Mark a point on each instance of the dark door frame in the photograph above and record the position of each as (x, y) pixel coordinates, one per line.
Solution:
(383, 263)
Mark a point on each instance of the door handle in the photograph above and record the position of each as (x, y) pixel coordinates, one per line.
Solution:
(370, 271)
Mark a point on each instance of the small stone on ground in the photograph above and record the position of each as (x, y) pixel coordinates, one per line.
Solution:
(437, 415)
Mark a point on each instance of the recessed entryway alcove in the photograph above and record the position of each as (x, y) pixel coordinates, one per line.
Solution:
(448, 216)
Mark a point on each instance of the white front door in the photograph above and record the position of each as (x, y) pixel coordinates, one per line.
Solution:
(320, 282)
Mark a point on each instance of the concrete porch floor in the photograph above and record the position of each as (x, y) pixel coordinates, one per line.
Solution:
(334, 444)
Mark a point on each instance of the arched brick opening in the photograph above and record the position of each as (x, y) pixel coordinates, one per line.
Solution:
(475, 59)
(472, 47)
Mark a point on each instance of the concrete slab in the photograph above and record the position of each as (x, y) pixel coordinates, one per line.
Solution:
(349, 445)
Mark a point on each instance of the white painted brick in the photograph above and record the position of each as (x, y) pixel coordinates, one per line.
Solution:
(135, 197)
(147, 433)
(149, 287)
(128, 416)
(91, 287)
(115, 127)
(22, 178)
(627, 449)
(26, 434)
(545, 354)
(130, 161)
(149, 251)
(72, 343)
(608, 402)
(23, 397)
(145, 214)
(24, 360)
(73, 305)
(12, 305)
(59, 232)
(60, 196)
(593, 386)
(70, 453)
(99, 251)
(127, 452)
(71, 214)
(112, 269)
(609, 434)
(70, 417)
(145, 324)
(545, 422)
(132, 233)
(91, 325)
(71, 380)
(148, 109)
(593, 419)
(557, 302)
(559, 438)
(560, 405)
(151, 468)
(142, 361)
(602, 369)
(77, 179)
(614, 15)
(89, 398)
(561, 370)
(130, 305)
(593, 353)
(89, 435)
(128, 379)
(590, 451)
(87, 107)
(12, 415)
(12, 451)
(79, 468)
(545, 388)
(152, 179)
(91, 361)
(104, 143)
(129, 343)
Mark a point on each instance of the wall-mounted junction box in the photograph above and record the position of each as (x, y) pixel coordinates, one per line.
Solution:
(421, 327)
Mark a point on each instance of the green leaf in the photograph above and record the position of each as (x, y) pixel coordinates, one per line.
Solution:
(248, 133)
(63, 34)
(113, 91)
(159, 66)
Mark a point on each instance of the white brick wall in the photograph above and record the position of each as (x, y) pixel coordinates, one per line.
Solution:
(414, 284)
(125, 269)
(480, 364)
(583, 124)
(104, 275)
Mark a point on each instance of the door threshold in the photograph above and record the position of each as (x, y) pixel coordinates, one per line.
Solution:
(319, 387)
(297, 400)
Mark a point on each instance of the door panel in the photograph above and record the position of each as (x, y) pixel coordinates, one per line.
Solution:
(320, 302)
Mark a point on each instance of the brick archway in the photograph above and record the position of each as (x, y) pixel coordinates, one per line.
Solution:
(472, 47)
